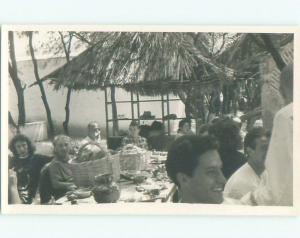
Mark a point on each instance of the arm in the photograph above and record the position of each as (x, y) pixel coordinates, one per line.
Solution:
(277, 180)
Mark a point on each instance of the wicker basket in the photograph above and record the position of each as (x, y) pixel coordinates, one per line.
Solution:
(84, 173)
(133, 161)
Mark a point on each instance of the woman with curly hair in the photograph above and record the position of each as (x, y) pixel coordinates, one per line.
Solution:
(27, 166)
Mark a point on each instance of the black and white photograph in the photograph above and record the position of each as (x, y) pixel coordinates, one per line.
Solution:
(149, 120)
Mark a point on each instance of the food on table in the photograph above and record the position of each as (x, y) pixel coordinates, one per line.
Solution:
(105, 190)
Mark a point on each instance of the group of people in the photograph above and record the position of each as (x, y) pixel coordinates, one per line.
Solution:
(211, 169)
(206, 168)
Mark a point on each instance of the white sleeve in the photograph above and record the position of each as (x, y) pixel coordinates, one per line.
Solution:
(276, 187)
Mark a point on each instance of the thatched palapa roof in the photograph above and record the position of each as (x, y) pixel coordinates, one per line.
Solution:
(149, 63)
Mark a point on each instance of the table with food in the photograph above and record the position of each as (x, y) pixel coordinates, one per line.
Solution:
(129, 175)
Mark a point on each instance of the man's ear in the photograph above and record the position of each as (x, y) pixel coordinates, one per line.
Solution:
(182, 179)
(249, 151)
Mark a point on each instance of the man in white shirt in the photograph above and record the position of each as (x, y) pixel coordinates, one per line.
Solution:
(94, 133)
(247, 178)
(93, 142)
(276, 186)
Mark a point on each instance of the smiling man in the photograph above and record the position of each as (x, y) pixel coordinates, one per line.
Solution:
(195, 166)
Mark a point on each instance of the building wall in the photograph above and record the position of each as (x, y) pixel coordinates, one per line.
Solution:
(85, 105)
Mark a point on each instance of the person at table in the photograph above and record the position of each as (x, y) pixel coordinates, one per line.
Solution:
(229, 138)
(184, 128)
(194, 165)
(92, 144)
(27, 166)
(134, 137)
(247, 177)
(276, 186)
(94, 134)
(59, 169)
(157, 140)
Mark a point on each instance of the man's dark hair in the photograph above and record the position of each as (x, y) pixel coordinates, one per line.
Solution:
(157, 126)
(183, 121)
(227, 134)
(184, 153)
(21, 137)
(252, 135)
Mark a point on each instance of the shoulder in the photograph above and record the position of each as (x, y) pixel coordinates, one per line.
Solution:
(239, 175)
(285, 113)
(241, 178)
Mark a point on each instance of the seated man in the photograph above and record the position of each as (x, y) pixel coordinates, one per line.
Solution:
(60, 173)
(94, 134)
(247, 178)
(134, 137)
(184, 128)
(195, 166)
(93, 143)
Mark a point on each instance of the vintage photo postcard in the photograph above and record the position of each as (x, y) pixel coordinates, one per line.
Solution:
(168, 120)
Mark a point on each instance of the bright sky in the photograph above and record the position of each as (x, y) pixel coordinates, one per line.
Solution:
(22, 49)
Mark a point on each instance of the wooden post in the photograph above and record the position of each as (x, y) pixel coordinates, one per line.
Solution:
(138, 106)
(168, 113)
(106, 114)
(162, 109)
(132, 106)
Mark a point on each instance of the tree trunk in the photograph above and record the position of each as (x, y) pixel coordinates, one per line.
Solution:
(41, 86)
(13, 72)
(273, 51)
(67, 109)
(114, 110)
(67, 50)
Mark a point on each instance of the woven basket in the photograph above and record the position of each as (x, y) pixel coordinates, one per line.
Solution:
(135, 161)
(84, 173)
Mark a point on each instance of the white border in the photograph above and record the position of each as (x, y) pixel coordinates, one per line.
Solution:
(148, 208)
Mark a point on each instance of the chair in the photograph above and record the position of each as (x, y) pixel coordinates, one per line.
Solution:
(45, 185)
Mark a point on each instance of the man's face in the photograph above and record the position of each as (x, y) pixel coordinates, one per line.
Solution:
(94, 131)
(207, 183)
(134, 131)
(258, 155)
(186, 128)
(21, 148)
(62, 148)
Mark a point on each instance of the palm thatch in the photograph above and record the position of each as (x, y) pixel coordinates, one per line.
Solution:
(134, 60)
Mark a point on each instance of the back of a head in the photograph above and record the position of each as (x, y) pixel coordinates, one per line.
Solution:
(184, 153)
(227, 133)
(157, 126)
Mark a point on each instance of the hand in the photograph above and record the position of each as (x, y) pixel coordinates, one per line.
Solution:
(72, 187)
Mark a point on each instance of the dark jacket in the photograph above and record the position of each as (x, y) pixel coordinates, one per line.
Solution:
(28, 175)
(232, 161)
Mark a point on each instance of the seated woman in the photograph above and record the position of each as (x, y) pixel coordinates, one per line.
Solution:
(27, 166)
(134, 137)
(60, 173)
(184, 128)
